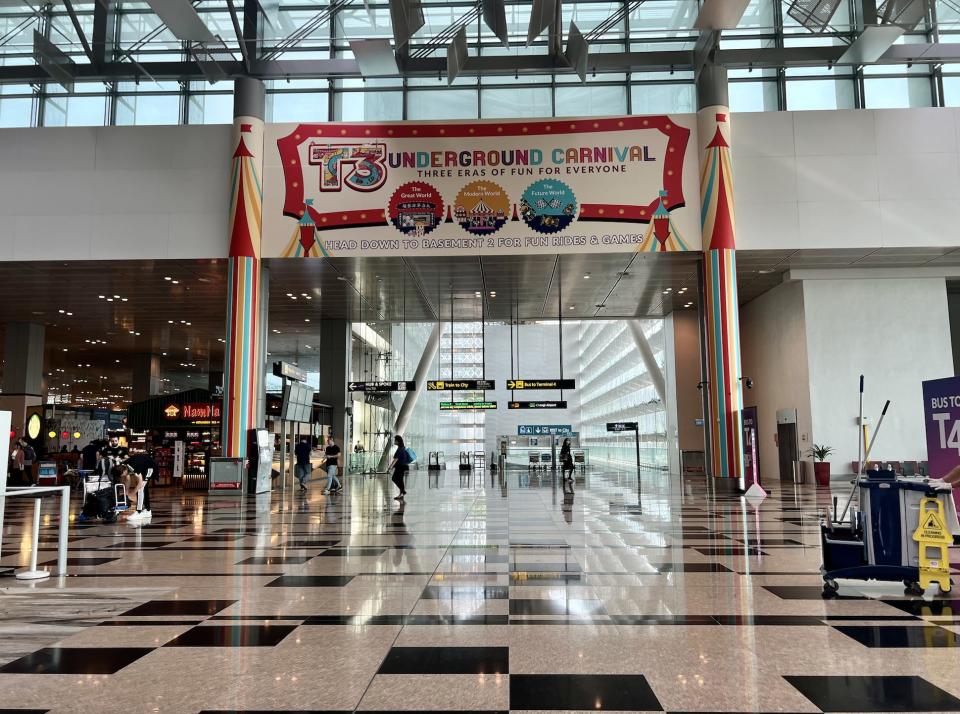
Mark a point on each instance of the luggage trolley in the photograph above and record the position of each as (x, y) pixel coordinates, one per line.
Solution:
(110, 498)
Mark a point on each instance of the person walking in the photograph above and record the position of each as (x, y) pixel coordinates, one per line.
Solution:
(566, 460)
(400, 466)
(16, 464)
(29, 457)
(303, 467)
(332, 452)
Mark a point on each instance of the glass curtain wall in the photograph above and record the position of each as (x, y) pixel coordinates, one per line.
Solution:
(601, 355)
(616, 386)
(327, 28)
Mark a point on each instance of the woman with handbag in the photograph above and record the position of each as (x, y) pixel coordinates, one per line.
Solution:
(400, 466)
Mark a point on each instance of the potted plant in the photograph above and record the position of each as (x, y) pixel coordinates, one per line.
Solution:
(821, 468)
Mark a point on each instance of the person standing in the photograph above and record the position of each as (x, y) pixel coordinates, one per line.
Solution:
(16, 464)
(29, 457)
(114, 453)
(566, 459)
(400, 466)
(303, 466)
(332, 452)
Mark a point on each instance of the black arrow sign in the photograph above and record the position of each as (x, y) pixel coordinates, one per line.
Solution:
(541, 384)
(378, 387)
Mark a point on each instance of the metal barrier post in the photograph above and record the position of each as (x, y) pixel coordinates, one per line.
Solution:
(33, 573)
(64, 530)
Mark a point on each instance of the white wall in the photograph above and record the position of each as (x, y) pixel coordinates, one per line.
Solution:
(894, 332)
(829, 179)
(845, 179)
(773, 349)
(114, 192)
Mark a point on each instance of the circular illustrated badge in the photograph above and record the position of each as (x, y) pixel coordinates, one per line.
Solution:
(416, 208)
(481, 208)
(548, 206)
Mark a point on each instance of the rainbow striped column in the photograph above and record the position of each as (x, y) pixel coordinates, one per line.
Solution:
(720, 308)
(243, 361)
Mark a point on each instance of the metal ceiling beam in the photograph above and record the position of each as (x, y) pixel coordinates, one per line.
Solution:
(102, 24)
(79, 30)
(238, 31)
(486, 65)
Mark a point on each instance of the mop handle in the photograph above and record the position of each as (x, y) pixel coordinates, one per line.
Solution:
(860, 427)
(866, 458)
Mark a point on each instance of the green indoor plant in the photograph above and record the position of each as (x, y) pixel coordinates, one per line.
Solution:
(821, 467)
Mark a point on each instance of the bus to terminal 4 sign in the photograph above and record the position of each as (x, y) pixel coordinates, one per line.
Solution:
(476, 188)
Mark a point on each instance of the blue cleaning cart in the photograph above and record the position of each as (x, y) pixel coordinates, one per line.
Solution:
(876, 543)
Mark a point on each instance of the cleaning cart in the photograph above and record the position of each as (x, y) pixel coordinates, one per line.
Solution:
(900, 521)
(877, 542)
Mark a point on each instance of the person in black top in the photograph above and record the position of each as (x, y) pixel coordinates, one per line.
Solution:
(332, 452)
(88, 456)
(303, 466)
(114, 453)
(566, 459)
(138, 470)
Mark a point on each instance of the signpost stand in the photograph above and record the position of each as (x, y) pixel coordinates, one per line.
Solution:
(621, 426)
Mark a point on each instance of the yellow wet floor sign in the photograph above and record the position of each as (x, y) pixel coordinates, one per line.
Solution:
(933, 536)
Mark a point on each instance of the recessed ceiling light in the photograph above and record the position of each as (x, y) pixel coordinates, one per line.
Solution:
(116, 296)
(61, 311)
(175, 282)
(573, 307)
(101, 296)
(586, 276)
(306, 319)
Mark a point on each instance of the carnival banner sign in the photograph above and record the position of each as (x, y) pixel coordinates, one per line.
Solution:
(476, 188)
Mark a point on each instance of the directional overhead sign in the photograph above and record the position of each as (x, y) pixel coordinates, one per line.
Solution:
(622, 426)
(377, 387)
(442, 385)
(537, 405)
(464, 406)
(544, 429)
(541, 384)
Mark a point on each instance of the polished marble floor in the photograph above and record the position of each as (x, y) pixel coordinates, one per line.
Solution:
(481, 593)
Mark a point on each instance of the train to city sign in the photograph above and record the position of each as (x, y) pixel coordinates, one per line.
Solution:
(618, 184)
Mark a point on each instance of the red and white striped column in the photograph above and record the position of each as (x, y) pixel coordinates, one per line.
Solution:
(720, 309)
(244, 355)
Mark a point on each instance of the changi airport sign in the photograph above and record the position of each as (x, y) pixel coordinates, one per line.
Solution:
(380, 387)
(617, 426)
(464, 406)
(617, 184)
(466, 385)
(541, 384)
(537, 405)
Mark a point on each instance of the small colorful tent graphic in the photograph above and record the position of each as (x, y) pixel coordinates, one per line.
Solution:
(245, 201)
(716, 191)
(304, 243)
(662, 235)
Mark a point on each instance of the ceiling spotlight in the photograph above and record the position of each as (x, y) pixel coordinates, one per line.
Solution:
(586, 276)
(116, 297)
(101, 296)
(573, 307)
(109, 299)
(764, 272)
(175, 282)
(306, 319)
(60, 311)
